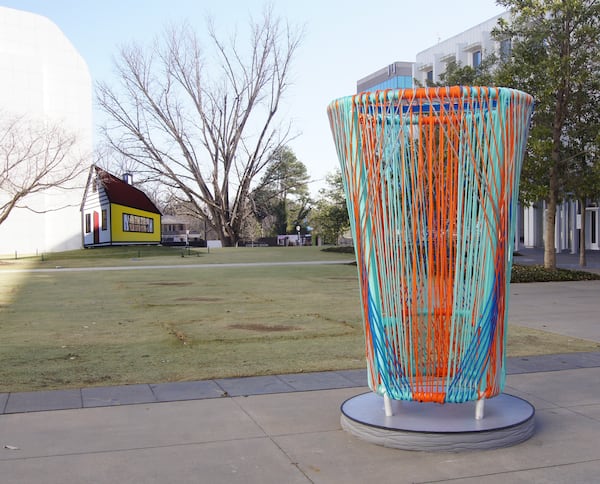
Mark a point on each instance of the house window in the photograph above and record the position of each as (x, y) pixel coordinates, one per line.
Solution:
(104, 219)
(137, 223)
(430, 76)
(94, 185)
(505, 49)
(88, 223)
(476, 58)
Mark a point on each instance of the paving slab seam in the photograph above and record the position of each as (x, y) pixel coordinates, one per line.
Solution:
(131, 449)
(273, 441)
(573, 409)
(91, 397)
(512, 471)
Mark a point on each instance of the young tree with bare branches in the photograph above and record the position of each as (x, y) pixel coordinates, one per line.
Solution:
(205, 131)
(35, 157)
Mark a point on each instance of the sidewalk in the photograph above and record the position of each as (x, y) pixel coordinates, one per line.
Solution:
(564, 260)
(285, 428)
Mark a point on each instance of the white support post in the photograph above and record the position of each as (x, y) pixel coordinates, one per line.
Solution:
(479, 409)
(387, 405)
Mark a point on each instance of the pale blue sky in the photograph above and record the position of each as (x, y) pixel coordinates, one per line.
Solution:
(345, 41)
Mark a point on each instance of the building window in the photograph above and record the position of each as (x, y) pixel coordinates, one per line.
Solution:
(429, 76)
(476, 59)
(88, 223)
(94, 185)
(104, 219)
(505, 49)
(137, 223)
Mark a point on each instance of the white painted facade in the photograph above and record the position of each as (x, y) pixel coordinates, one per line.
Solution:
(568, 225)
(44, 78)
(467, 48)
(95, 206)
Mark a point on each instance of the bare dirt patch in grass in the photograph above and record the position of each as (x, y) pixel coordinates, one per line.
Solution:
(263, 327)
(199, 299)
(171, 283)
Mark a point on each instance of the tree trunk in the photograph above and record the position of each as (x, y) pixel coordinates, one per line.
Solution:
(550, 225)
(554, 182)
(560, 113)
(582, 261)
(549, 235)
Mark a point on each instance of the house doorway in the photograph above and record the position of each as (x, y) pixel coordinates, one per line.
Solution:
(96, 228)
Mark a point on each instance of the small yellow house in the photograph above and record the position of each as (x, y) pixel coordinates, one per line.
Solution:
(114, 212)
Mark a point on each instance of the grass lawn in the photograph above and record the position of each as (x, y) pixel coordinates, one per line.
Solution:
(64, 329)
(157, 255)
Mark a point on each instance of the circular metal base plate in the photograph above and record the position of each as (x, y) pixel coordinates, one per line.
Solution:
(451, 427)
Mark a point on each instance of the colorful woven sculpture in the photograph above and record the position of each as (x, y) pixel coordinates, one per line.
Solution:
(431, 179)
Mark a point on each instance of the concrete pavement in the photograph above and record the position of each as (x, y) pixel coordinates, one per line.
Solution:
(564, 260)
(292, 437)
(567, 308)
(285, 428)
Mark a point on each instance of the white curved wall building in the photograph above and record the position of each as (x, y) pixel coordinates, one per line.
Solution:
(43, 77)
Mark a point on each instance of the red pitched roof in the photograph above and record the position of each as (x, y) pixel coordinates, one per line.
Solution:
(124, 194)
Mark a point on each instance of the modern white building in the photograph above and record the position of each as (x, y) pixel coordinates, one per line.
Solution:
(469, 48)
(44, 79)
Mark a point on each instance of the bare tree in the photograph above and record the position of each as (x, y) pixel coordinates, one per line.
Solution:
(34, 157)
(204, 130)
